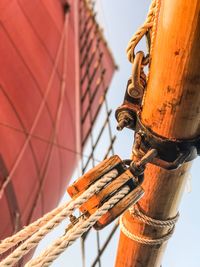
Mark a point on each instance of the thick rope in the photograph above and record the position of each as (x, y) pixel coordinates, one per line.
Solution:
(51, 253)
(30, 243)
(144, 240)
(155, 23)
(149, 24)
(28, 230)
(135, 211)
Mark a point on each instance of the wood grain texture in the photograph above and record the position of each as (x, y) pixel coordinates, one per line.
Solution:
(171, 105)
(94, 202)
(171, 109)
(91, 205)
(82, 183)
(120, 207)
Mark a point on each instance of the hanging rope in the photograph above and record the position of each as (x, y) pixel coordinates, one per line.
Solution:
(50, 254)
(52, 220)
(149, 25)
(28, 230)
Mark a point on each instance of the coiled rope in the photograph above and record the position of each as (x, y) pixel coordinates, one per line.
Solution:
(37, 230)
(144, 240)
(136, 212)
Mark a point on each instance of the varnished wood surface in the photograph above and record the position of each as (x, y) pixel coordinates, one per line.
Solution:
(120, 207)
(171, 106)
(91, 176)
(171, 109)
(94, 202)
(90, 206)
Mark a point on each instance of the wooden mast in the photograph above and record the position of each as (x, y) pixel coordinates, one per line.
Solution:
(171, 109)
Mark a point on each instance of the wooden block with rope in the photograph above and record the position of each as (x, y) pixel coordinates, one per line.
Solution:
(124, 177)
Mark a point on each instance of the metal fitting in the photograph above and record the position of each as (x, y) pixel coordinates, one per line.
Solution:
(138, 78)
(125, 119)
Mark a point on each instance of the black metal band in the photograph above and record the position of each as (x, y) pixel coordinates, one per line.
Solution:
(170, 153)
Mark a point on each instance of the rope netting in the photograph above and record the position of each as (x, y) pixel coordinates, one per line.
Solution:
(101, 140)
(30, 236)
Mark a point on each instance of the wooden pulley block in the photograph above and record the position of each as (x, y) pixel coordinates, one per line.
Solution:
(124, 177)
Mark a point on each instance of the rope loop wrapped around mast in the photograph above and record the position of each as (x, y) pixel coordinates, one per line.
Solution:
(143, 240)
(137, 213)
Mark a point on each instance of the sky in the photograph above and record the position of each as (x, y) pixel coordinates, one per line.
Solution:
(120, 19)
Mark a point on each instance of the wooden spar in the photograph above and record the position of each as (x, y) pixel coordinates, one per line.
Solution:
(170, 109)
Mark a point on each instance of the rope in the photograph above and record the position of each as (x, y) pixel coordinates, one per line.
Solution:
(30, 243)
(51, 253)
(149, 25)
(144, 240)
(155, 23)
(28, 230)
(136, 212)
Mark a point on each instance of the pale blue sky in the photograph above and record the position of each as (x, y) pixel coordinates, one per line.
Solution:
(120, 20)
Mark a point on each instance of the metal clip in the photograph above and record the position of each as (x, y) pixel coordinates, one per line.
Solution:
(74, 220)
(138, 78)
(124, 177)
(126, 114)
(137, 167)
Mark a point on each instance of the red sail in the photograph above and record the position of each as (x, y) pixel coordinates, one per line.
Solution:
(54, 65)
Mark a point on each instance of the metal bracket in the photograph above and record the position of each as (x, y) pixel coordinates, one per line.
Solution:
(138, 78)
(126, 114)
(170, 153)
(137, 167)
